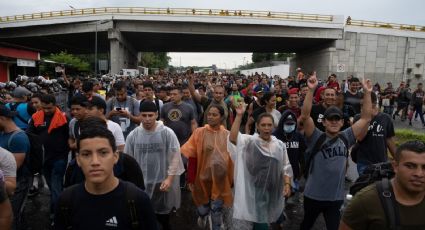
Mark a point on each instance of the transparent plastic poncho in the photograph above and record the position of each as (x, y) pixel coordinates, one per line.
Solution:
(158, 154)
(260, 167)
(214, 174)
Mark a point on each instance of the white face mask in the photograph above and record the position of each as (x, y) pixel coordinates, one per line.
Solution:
(289, 128)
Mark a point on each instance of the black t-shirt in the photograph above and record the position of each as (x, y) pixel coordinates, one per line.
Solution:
(354, 100)
(106, 211)
(373, 148)
(348, 112)
(295, 146)
(317, 114)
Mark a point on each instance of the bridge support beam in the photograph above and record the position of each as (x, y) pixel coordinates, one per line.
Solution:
(123, 54)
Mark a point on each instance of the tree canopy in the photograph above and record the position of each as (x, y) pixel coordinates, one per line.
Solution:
(155, 59)
(70, 59)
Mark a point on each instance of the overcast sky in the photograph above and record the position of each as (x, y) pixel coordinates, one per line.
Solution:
(396, 11)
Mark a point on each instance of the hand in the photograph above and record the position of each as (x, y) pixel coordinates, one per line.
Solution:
(191, 187)
(367, 85)
(287, 190)
(166, 184)
(240, 107)
(312, 81)
(124, 113)
(190, 78)
(114, 112)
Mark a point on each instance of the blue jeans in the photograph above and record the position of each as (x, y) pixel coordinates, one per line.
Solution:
(216, 212)
(54, 172)
(361, 167)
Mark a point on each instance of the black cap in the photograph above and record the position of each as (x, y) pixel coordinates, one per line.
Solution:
(148, 106)
(6, 112)
(333, 111)
(290, 120)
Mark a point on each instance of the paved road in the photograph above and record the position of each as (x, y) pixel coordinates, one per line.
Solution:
(36, 212)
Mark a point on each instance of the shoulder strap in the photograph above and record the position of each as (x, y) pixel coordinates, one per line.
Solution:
(386, 195)
(158, 108)
(65, 206)
(131, 196)
(314, 151)
(12, 136)
(344, 140)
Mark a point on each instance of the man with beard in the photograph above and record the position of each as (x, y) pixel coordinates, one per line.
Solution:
(406, 195)
(218, 99)
(51, 125)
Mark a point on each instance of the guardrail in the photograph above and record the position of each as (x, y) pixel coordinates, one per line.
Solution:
(384, 25)
(169, 11)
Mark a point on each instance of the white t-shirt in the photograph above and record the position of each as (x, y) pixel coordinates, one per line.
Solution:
(7, 163)
(117, 132)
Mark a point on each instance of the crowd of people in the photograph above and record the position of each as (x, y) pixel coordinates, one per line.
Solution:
(122, 149)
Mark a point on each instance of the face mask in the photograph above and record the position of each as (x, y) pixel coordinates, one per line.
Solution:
(289, 128)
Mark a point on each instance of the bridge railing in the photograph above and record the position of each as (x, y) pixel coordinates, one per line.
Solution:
(170, 11)
(385, 25)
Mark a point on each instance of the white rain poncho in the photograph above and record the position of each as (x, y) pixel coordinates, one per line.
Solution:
(158, 154)
(260, 167)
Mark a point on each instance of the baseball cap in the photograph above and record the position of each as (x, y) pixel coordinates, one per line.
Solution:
(6, 112)
(20, 92)
(293, 91)
(290, 120)
(333, 112)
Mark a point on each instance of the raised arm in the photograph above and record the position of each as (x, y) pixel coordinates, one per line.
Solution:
(195, 95)
(305, 117)
(240, 110)
(366, 113)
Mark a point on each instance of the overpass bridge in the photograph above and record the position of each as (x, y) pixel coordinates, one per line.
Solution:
(327, 43)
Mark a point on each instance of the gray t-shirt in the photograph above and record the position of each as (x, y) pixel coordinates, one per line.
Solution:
(131, 105)
(7, 163)
(179, 119)
(326, 181)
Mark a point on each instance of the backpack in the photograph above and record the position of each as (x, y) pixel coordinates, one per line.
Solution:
(320, 144)
(372, 173)
(389, 204)
(34, 158)
(13, 107)
(66, 203)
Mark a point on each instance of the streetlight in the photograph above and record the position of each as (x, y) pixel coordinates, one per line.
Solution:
(95, 44)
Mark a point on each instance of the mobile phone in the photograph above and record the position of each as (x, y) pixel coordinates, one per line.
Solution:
(118, 109)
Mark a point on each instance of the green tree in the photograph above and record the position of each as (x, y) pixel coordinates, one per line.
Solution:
(261, 57)
(155, 60)
(283, 56)
(70, 59)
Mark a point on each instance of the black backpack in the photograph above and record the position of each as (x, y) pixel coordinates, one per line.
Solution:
(372, 173)
(34, 159)
(320, 144)
(66, 203)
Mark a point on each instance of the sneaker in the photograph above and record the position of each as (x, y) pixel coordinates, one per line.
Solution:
(410, 123)
(202, 222)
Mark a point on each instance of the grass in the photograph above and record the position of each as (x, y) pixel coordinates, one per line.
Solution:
(403, 135)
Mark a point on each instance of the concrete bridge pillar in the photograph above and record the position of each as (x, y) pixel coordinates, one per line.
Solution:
(123, 54)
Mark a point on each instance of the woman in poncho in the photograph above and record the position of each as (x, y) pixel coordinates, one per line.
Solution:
(210, 169)
(262, 172)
